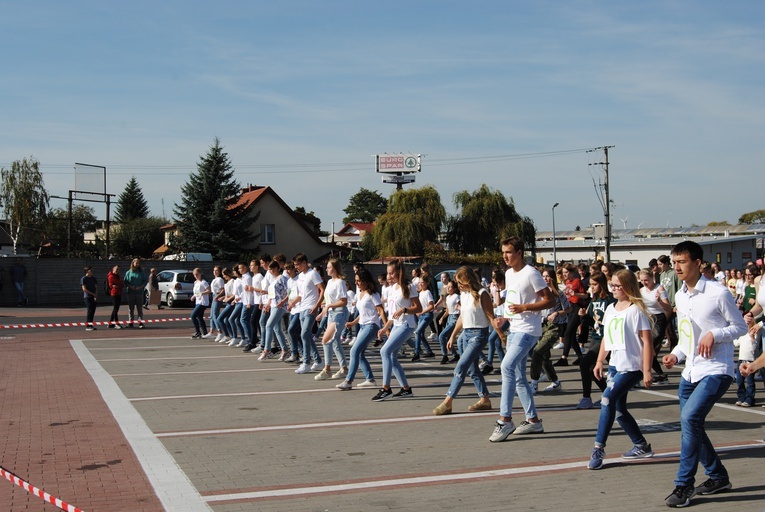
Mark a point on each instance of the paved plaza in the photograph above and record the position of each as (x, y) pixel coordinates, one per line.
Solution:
(153, 420)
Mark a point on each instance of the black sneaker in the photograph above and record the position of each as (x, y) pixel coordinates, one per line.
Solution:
(415, 357)
(444, 359)
(140, 326)
(404, 393)
(487, 369)
(248, 347)
(196, 336)
(680, 497)
(383, 394)
(577, 361)
(712, 486)
(430, 354)
(561, 362)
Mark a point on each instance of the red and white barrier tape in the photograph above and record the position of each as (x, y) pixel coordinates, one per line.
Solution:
(85, 324)
(37, 492)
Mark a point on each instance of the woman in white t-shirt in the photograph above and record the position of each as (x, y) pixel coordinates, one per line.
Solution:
(277, 296)
(201, 298)
(450, 317)
(335, 301)
(403, 305)
(371, 316)
(423, 320)
(627, 336)
(216, 287)
(472, 332)
(293, 327)
(228, 306)
(658, 309)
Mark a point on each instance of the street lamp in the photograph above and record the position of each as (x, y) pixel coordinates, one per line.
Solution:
(555, 253)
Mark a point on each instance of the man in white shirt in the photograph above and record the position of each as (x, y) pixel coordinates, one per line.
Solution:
(308, 302)
(708, 322)
(255, 286)
(527, 295)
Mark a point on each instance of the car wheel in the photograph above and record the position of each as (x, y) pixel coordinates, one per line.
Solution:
(169, 300)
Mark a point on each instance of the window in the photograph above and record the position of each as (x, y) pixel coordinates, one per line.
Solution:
(267, 234)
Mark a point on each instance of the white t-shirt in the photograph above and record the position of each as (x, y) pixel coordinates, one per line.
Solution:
(471, 312)
(246, 294)
(621, 337)
(238, 289)
(351, 295)
(335, 291)
(201, 298)
(264, 284)
(257, 283)
(452, 302)
(292, 293)
(217, 285)
(229, 287)
(397, 301)
(650, 301)
(426, 298)
(384, 297)
(523, 287)
(367, 306)
(308, 289)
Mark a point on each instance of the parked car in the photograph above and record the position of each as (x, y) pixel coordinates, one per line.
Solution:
(174, 286)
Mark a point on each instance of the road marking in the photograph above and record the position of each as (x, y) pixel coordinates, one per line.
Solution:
(201, 372)
(748, 410)
(220, 395)
(153, 348)
(439, 478)
(170, 358)
(172, 486)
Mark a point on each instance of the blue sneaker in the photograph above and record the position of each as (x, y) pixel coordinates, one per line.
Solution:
(639, 452)
(596, 460)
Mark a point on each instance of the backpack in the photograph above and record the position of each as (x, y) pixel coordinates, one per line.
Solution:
(107, 288)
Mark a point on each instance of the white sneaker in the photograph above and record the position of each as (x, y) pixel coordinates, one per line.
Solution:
(218, 338)
(234, 342)
(558, 346)
(352, 341)
(285, 355)
(225, 339)
(257, 350)
(323, 375)
(432, 336)
(303, 368)
(340, 374)
(527, 427)
(117, 326)
(555, 386)
(345, 385)
(243, 343)
(315, 367)
(368, 384)
(501, 431)
(263, 356)
(207, 336)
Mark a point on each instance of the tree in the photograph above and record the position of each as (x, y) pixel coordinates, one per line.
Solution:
(718, 223)
(137, 237)
(313, 221)
(413, 217)
(209, 218)
(755, 217)
(485, 217)
(131, 204)
(365, 206)
(25, 200)
(55, 228)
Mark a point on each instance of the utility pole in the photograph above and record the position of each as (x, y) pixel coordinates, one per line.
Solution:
(606, 200)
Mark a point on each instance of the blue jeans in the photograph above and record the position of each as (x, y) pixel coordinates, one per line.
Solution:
(294, 332)
(614, 406)
(366, 334)
(222, 319)
(443, 338)
(745, 391)
(214, 312)
(696, 400)
(244, 320)
(495, 344)
(338, 317)
(419, 333)
(274, 328)
(473, 341)
(389, 353)
(20, 289)
(263, 321)
(309, 345)
(519, 344)
(198, 319)
(234, 321)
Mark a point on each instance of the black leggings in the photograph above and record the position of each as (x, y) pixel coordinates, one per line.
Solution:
(585, 370)
(117, 301)
(569, 337)
(658, 331)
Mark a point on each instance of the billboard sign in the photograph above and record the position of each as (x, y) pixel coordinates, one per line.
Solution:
(401, 163)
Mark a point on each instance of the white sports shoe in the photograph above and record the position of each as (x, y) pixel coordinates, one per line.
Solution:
(303, 368)
(234, 342)
(316, 367)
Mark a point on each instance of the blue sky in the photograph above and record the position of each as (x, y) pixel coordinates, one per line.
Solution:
(303, 93)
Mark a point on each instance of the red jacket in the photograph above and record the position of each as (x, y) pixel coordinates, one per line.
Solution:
(116, 283)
